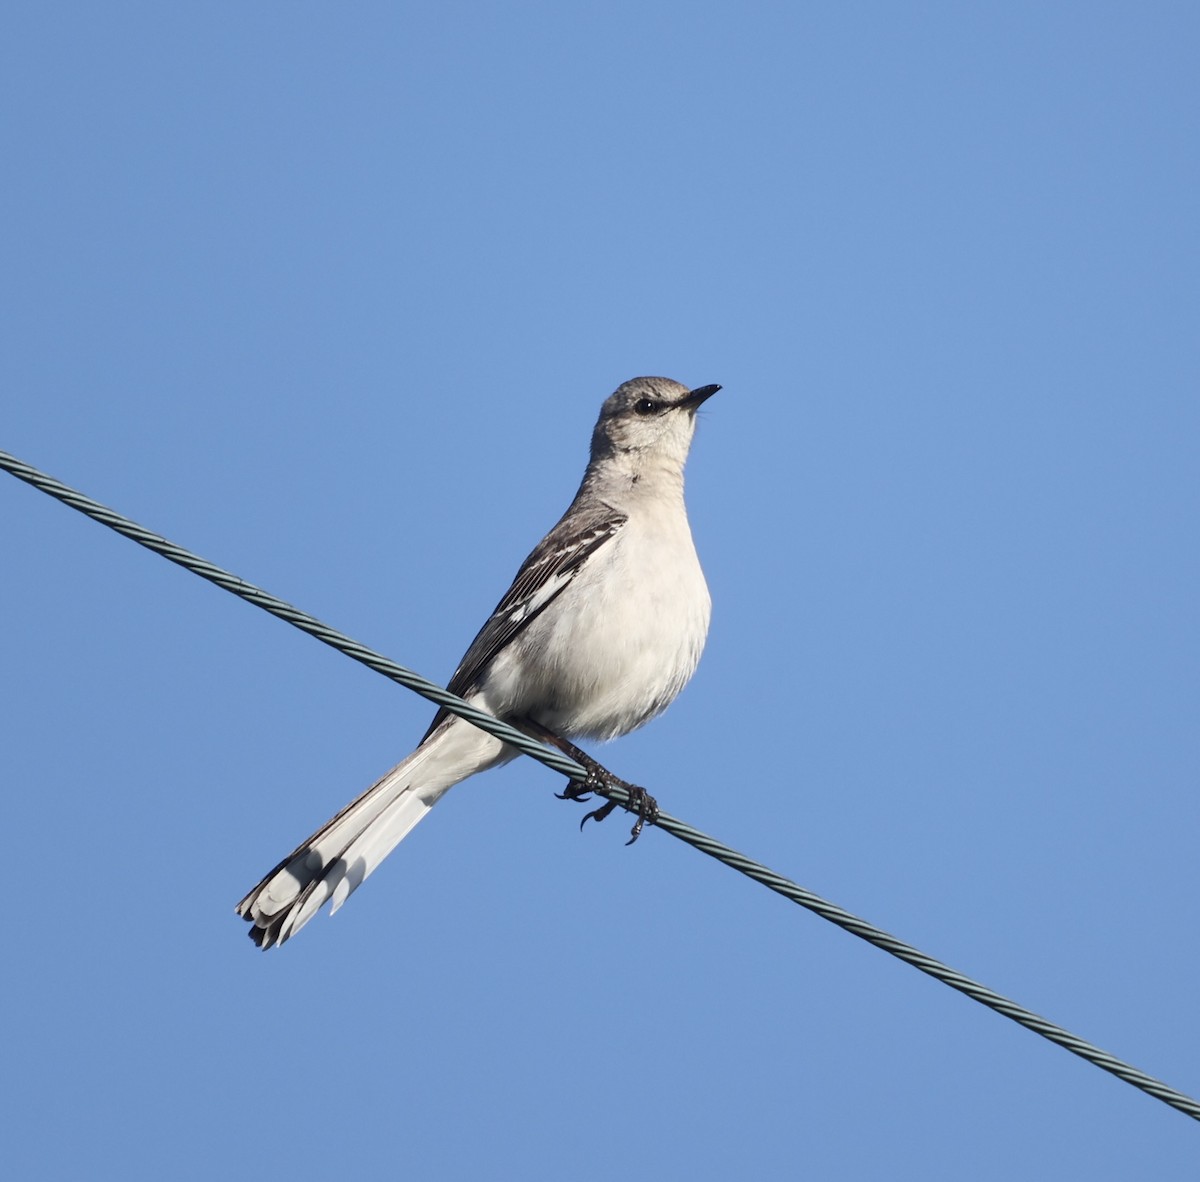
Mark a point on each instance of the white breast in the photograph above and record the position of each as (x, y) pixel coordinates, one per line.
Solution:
(617, 646)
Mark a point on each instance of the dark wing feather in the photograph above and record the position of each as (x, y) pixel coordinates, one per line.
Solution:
(543, 576)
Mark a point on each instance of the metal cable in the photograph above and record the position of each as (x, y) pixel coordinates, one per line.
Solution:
(557, 761)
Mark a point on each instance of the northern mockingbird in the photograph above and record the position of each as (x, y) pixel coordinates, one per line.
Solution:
(602, 627)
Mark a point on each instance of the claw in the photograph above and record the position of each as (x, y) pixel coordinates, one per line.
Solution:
(569, 795)
(596, 782)
(647, 810)
(598, 814)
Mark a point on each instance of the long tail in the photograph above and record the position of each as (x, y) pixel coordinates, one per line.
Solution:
(337, 859)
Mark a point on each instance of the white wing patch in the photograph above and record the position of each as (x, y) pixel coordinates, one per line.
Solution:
(543, 576)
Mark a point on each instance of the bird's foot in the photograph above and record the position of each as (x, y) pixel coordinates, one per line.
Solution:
(595, 779)
(641, 802)
(599, 779)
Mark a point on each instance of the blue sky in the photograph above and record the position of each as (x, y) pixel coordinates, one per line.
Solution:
(331, 294)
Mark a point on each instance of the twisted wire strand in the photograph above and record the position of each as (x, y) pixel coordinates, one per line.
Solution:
(559, 762)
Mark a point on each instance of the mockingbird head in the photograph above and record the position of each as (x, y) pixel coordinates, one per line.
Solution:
(648, 421)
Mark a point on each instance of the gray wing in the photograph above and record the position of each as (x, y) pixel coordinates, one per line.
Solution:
(543, 576)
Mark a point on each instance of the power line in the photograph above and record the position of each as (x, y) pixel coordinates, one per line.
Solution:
(557, 761)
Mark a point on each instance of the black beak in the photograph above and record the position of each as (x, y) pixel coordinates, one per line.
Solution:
(697, 396)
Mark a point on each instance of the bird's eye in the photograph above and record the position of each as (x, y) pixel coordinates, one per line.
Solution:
(645, 406)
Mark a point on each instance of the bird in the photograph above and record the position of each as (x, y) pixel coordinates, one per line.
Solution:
(602, 627)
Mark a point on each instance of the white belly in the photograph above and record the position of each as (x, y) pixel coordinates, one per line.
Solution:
(617, 646)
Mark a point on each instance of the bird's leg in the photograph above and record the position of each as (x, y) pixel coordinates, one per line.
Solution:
(598, 779)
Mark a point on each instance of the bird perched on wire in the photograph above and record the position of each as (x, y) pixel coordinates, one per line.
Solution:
(602, 627)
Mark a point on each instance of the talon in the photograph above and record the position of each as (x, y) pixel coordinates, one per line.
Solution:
(647, 810)
(597, 781)
(570, 794)
(598, 814)
(584, 789)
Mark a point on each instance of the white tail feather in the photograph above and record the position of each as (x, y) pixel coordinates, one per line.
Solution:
(339, 857)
